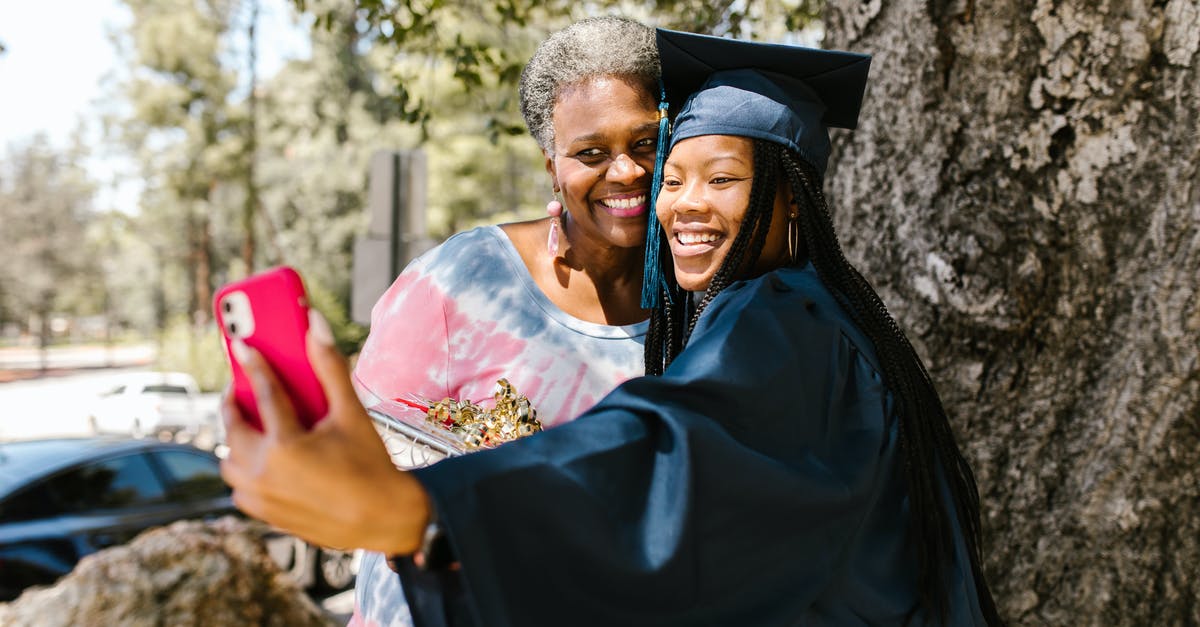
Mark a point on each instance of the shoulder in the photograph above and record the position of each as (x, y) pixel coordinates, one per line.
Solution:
(788, 305)
(480, 256)
(445, 271)
(782, 345)
(483, 240)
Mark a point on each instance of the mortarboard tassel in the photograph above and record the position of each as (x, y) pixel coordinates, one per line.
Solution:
(653, 283)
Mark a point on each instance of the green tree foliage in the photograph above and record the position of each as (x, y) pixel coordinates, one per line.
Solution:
(128, 275)
(486, 43)
(184, 128)
(321, 120)
(45, 203)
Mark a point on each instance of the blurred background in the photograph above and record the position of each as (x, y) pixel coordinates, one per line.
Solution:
(156, 149)
(153, 150)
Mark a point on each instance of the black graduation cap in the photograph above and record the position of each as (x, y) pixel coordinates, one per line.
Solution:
(787, 94)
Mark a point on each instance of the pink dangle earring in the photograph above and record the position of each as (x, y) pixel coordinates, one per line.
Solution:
(554, 209)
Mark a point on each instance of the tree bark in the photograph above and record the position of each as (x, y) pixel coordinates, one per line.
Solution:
(1022, 190)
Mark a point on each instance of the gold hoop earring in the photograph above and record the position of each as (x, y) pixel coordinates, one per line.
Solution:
(793, 237)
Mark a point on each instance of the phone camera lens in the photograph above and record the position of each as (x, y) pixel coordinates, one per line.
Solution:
(227, 306)
(232, 328)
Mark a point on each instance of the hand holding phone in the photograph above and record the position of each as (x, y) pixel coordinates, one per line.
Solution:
(269, 312)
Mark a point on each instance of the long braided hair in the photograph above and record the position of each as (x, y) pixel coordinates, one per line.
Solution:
(927, 444)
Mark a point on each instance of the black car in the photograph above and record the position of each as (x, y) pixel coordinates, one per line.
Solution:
(62, 499)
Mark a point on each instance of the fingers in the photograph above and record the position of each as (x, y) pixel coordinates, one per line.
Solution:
(274, 407)
(329, 365)
(236, 428)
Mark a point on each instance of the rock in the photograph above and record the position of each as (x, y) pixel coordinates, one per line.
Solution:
(188, 573)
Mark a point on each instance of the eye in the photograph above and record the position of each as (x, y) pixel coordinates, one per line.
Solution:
(649, 142)
(589, 154)
(670, 183)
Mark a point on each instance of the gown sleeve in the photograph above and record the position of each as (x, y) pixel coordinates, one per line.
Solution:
(723, 492)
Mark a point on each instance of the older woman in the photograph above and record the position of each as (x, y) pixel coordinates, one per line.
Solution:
(552, 304)
(791, 464)
(528, 300)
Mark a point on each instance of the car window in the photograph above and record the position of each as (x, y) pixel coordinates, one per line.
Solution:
(120, 389)
(32, 503)
(117, 482)
(162, 388)
(193, 475)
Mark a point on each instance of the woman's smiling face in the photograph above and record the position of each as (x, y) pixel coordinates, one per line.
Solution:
(703, 201)
(605, 131)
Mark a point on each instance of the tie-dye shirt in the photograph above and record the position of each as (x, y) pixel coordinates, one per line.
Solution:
(457, 319)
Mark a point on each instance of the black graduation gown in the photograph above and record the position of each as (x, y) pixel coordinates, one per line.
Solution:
(757, 482)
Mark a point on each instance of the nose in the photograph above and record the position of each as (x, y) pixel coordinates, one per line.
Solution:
(625, 170)
(689, 199)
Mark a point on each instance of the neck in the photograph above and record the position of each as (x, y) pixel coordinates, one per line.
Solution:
(605, 265)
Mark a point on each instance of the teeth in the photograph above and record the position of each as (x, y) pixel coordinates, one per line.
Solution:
(697, 238)
(624, 203)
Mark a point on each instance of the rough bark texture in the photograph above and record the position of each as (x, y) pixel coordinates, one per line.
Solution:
(188, 573)
(1023, 191)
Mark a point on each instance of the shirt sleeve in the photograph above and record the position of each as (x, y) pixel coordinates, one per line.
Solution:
(407, 349)
(723, 492)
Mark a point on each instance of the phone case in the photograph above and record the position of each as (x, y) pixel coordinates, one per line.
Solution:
(269, 312)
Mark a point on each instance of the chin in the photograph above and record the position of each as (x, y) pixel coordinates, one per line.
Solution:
(692, 283)
(635, 238)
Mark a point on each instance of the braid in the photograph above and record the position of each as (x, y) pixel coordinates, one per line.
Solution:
(653, 350)
(925, 436)
(664, 339)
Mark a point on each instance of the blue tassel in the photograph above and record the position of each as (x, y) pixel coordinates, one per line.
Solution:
(653, 282)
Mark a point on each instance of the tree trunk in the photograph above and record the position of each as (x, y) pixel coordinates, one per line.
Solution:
(250, 209)
(43, 316)
(1022, 190)
(201, 238)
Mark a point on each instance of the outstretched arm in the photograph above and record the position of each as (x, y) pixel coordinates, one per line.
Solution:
(334, 485)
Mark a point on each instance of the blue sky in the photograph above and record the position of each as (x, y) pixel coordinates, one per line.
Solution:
(53, 74)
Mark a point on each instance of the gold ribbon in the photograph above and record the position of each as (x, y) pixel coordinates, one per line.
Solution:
(513, 417)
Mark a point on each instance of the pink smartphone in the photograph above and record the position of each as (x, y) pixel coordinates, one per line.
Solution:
(269, 312)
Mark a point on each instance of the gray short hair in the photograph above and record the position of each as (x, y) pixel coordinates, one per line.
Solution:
(590, 48)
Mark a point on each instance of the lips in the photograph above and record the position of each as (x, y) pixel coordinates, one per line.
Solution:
(624, 206)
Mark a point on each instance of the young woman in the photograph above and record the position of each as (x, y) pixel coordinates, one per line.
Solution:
(791, 464)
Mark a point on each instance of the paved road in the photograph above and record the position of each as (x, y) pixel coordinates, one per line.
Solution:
(53, 406)
(56, 401)
(21, 362)
(60, 405)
